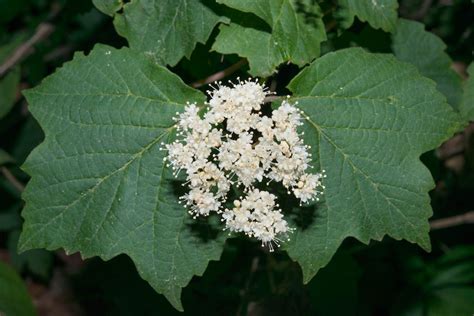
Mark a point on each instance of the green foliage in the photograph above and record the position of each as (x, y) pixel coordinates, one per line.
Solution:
(296, 31)
(164, 30)
(441, 287)
(10, 9)
(9, 83)
(451, 301)
(99, 185)
(113, 194)
(109, 7)
(8, 91)
(467, 105)
(5, 157)
(412, 44)
(108, 279)
(10, 218)
(380, 14)
(367, 118)
(37, 261)
(14, 298)
(334, 289)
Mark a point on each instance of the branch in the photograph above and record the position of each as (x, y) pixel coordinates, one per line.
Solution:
(272, 98)
(24, 50)
(219, 75)
(12, 179)
(466, 218)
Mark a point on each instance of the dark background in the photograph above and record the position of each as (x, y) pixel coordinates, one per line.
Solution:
(382, 278)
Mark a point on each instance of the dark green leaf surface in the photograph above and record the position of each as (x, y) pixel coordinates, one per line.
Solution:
(29, 136)
(10, 9)
(451, 302)
(5, 157)
(412, 44)
(8, 91)
(9, 83)
(14, 298)
(37, 261)
(296, 33)
(368, 119)
(10, 218)
(440, 287)
(467, 104)
(164, 30)
(333, 291)
(99, 184)
(380, 14)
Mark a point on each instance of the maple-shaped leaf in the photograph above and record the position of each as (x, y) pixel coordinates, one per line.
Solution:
(98, 182)
(369, 117)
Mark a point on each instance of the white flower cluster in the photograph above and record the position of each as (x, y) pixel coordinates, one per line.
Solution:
(235, 144)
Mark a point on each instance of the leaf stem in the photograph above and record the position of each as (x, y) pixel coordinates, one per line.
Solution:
(272, 98)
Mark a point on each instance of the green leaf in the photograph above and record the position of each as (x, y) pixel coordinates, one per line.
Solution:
(5, 157)
(456, 273)
(14, 298)
(368, 119)
(11, 8)
(456, 267)
(99, 184)
(9, 83)
(10, 218)
(121, 289)
(29, 136)
(8, 90)
(164, 30)
(439, 287)
(37, 261)
(412, 44)
(451, 302)
(8, 48)
(467, 104)
(108, 7)
(380, 14)
(334, 290)
(296, 32)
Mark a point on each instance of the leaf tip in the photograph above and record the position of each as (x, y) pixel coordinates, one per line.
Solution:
(23, 244)
(174, 297)
(425, 244)
(308, 275)
(108, 7)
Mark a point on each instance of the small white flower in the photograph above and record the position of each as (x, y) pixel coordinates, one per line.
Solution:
(234, 144)
(257, 217)
(265, 126)
(307, 185)
(201, 202)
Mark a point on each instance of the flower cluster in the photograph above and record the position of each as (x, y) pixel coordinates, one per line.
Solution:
(234, 144)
